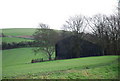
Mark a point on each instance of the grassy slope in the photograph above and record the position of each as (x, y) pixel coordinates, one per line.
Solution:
(20, 56)
(18, 31)
(10, 40)
(16, 64)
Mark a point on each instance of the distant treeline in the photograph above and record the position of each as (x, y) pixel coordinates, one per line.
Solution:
(105, 33)
(12, 45)
(112, 48)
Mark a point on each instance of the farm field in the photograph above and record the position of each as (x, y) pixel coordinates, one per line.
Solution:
(13, 39)
(16, 64)
(18, 31)
(20, 55)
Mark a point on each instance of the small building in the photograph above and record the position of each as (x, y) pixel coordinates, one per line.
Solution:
(69, 48)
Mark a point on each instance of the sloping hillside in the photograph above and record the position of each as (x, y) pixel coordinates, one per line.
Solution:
(18, 31)
(17, 64)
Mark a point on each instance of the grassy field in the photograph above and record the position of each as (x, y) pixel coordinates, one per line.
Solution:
(13, 39)
(21, 56)
(16, 64)
(18, 31)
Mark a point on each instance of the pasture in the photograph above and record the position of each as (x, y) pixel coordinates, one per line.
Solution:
(14, 39)
(16, 64)
(18, 31)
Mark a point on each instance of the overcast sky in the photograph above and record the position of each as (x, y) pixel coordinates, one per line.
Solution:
(29, 13)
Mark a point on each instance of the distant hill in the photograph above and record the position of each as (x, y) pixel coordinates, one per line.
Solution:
(18, 31)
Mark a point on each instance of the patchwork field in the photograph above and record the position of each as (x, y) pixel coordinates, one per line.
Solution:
(17, 35)
(16, 64)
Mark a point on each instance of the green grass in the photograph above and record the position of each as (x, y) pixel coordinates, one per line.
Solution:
(20, 56)
(13, 39)
(16, 64)
(18, 31)
(109, 71)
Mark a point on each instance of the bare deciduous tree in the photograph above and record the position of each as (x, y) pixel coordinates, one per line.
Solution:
(46, 39)
(113, 30)
(107, 31)
(75, 24)
(77, 27)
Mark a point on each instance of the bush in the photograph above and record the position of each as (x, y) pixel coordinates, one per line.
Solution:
(37, 60)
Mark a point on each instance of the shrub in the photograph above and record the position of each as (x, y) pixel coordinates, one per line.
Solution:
(37, 60)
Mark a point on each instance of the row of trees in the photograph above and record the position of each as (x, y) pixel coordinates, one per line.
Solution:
(12, 45)
(104, 31)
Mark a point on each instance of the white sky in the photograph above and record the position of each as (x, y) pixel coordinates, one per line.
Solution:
(29, 13)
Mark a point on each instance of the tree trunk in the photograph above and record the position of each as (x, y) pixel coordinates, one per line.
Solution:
(49, 55)
(50, 58)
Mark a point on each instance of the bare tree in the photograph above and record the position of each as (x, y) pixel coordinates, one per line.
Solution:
(76, 25)
(106, 29)
(46, 39)
(97, 24)
(113, 29)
